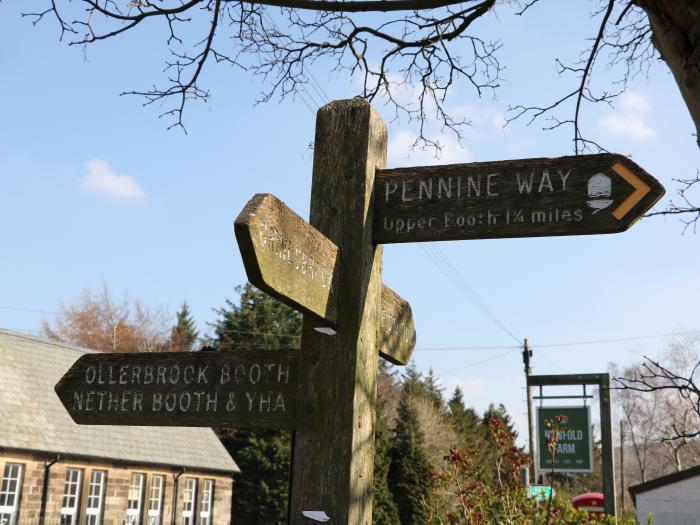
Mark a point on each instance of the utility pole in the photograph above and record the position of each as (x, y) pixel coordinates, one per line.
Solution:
(622, 467)
(527, 354)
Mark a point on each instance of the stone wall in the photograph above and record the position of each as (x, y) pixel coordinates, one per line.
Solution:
(118, 476)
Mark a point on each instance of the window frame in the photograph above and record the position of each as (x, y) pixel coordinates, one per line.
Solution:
(135, 515)
(154, 516)
(189, 516)
(74, 511)
(7, 479)
(205, 516)
(91, 511)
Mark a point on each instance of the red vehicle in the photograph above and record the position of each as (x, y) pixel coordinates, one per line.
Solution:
(592, 502)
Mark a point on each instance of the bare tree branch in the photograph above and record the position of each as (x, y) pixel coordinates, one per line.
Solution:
(653, 377)
(580, 94)
(408, 55)
(686, 207)
(408, 61)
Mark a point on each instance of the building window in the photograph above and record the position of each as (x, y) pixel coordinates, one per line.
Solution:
(9, 493)
(190, 499)
(71, 497)
(205, 502)
(133, 508)
(96, 491)
(155, 501)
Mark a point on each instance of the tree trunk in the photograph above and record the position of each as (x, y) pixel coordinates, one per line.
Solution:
(675, 26)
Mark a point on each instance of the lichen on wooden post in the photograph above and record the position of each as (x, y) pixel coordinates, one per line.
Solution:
(334, 446)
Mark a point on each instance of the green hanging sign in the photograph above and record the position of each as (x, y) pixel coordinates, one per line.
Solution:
(571, 450)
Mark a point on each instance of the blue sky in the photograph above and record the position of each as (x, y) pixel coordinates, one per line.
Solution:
(95, 189)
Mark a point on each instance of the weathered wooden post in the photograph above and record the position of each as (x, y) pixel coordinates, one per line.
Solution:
(608, 458)
(334, 444)
(331, 271)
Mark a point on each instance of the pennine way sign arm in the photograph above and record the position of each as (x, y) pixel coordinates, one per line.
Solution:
(574, 195)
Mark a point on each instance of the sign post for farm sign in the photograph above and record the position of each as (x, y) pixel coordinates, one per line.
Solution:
(330, 268)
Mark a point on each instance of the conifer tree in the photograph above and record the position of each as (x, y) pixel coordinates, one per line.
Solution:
(261, 490)
(466, 423)
(410, 477)
(432, 389)
(384, 509)
(501, 413)
(183, 335)
(412, 380)
(258, 321)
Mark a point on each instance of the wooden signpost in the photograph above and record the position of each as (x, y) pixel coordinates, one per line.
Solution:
(292, 261)
(576, 195)
(606, 439)
(245, 388)
(330, 269)
(288, 258)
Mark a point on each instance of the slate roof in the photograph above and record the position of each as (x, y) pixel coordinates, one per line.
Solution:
(674, 477)
(33, 419)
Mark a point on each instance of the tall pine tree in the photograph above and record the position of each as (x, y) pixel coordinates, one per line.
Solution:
(258, 321)
(384, 509)
(183, 335)
(261, 490)
(410, 476)
(471, 433)
(432, 389)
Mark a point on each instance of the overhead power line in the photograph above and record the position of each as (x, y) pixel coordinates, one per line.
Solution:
(437, 348)
(31, 310)
(476, 363)
(453, 274)
(617, 340)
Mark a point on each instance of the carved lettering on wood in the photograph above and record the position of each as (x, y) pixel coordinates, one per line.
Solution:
(576, 195)
(242, 388)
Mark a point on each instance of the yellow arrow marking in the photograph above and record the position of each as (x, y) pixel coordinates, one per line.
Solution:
(640, 190)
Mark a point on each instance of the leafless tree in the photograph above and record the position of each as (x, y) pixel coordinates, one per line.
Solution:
(406, 53)
(637, 412)
(660, 425)
(98, 321)
(439, 434)
(427, 44)
(674, 388)
(685, 204)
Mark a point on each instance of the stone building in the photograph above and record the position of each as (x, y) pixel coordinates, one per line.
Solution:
(55, 472)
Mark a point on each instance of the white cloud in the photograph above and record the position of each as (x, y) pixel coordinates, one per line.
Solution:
(470, 385)
(634, 102)
(628, 125)
(400, 153)
(102, 178)
(629, 121)
(481, 115)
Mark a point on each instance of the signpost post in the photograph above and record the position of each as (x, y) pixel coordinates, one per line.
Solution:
(334, 447)
(606, 441)
(330, 269)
